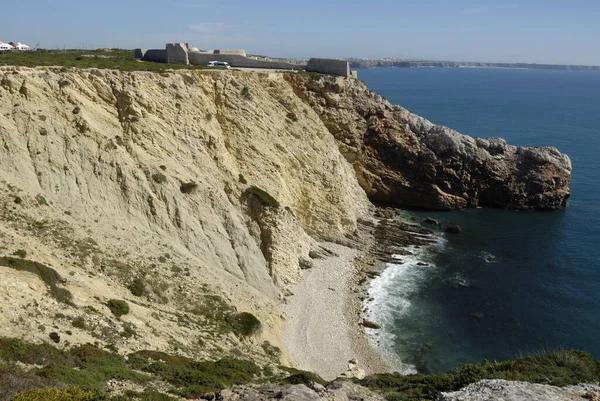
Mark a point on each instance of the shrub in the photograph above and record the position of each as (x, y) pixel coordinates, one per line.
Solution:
(21, 253)
(79, 323)
(188, 187)
(48, 275)
(262, 195)
(244, 324)
(558, 368)
(118, 307)
(303, 377)
(246, 93)
(242, 179)
(137, 287)
(194, 378)
(159, 178)
(54, 394)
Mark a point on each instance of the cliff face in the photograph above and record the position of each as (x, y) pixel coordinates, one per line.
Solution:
(160, 189)
(120, 179)
(403, 159)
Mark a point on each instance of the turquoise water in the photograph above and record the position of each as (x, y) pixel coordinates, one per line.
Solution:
(513, 282)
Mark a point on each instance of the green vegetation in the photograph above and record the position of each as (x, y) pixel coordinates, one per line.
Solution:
(87, 368)
(137, 287)
(246, 93)
(159, 178)
(262, 195)
(302, 377)
(116, 59)
(79, 323)
(118, 307)
(54, 394)
(188, 187)
(48, 275)
(244, 324)
(558, 368)
(194, 378)
(20, 253)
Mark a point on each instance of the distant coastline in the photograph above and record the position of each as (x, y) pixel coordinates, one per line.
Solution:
(400, 63)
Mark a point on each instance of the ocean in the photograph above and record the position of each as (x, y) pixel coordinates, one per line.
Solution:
(513, 282)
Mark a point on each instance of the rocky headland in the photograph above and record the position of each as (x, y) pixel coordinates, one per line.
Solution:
(220, 217)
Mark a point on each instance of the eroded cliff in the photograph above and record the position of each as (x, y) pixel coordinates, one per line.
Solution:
(403, 159)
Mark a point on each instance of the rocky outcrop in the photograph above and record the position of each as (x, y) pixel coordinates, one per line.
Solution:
(403, 159)
(502, 390)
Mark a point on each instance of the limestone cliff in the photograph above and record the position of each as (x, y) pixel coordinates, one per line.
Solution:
(195, 195)
(403, 159)
(117, 180)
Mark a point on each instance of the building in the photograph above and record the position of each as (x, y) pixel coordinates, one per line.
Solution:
(5, 46)
(23, 47)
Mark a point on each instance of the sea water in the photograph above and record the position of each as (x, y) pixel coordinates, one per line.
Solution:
(513, 282)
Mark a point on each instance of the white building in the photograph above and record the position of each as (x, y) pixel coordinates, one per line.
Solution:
(21, 46)
(5, 46)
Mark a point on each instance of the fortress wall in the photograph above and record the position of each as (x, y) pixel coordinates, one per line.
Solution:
(155, 55)
(139, 53)
(234, 52)
(329, 66)
(177, 53)
(197, 58)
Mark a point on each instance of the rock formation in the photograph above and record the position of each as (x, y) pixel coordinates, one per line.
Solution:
(403, 159)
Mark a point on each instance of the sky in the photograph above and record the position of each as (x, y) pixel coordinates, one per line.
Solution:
(534, 31)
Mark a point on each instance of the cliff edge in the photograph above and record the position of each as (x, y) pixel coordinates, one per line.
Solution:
(403, 159)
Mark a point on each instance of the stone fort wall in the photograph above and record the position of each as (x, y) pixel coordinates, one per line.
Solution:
(329, 66)
(178, 53)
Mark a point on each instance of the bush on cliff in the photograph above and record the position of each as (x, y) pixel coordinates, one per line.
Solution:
(557, 368)
(244, 324)
(54, 394)
(118, 307)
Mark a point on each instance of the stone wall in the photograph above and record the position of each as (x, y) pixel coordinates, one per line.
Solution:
(177, 53)
(155, 55)
(198, 58)
(329, 66)
(235, 52)
(139, 53)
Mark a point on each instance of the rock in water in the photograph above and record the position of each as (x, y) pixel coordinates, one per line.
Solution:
(429, 220)
(403, 159)
(454, 229)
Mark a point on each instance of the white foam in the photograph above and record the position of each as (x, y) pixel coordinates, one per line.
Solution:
(389, 299)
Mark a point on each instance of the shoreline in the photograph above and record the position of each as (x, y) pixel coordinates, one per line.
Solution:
(322, 332)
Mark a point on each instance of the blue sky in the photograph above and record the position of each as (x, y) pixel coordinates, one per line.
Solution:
(550, 31)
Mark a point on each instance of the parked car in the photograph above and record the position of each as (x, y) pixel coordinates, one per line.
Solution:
(219, 64)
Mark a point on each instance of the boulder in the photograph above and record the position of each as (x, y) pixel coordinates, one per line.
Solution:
(455, 229)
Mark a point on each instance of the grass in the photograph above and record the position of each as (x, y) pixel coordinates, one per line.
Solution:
(117, 59)
(557, 368)
(48, 275)
(263, 196)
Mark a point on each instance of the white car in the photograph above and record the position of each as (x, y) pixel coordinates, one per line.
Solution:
(218, 64)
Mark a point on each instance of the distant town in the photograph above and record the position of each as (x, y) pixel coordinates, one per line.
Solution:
(413, 63)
